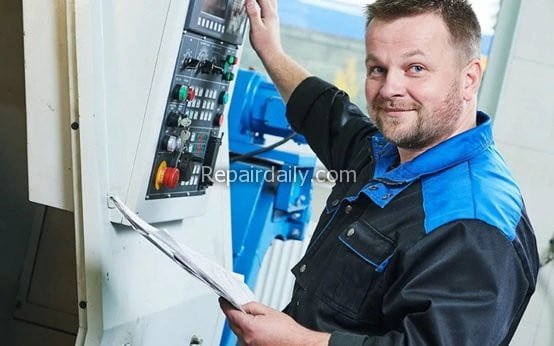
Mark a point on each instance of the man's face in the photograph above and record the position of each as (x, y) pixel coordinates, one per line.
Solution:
(413, 84)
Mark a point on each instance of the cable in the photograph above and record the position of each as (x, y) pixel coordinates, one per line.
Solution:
(263, 149)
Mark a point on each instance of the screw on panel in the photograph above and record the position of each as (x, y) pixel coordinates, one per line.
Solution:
(195, 340)
(295, 233)
(83, 304)
(75, 125)
(300, 200)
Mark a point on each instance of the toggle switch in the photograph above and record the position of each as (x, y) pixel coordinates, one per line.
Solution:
(190, 63)
(173, 119)
(207, 67)
(186, 166)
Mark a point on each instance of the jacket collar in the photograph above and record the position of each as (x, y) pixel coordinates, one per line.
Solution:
(451, 152)
(387, 184)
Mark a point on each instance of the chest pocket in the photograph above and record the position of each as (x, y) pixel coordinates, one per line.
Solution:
(354, 269)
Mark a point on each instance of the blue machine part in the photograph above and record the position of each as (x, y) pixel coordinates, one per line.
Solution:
(275, 204)
(256, 110)
(270, 192)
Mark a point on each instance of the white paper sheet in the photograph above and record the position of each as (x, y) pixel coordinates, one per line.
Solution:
(224, 282)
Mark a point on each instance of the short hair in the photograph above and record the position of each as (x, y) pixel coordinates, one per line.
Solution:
(459, 17)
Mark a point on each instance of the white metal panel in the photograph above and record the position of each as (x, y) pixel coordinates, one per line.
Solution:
(47, 101)
(138, 66)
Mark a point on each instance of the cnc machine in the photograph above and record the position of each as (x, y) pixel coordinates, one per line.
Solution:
(130, 98)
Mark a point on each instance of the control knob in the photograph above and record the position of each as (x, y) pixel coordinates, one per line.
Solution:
(171, 143)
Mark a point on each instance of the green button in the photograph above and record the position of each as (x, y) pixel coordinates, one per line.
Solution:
(183, 93)
(231, 59)
(224, 97)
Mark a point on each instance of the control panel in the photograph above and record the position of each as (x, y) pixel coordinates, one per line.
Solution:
(190, 134)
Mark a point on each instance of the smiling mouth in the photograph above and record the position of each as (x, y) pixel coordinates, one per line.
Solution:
(394, 111)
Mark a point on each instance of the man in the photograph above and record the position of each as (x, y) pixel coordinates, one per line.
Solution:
(431, 245)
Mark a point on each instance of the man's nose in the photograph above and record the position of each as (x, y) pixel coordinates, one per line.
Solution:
(394, 85)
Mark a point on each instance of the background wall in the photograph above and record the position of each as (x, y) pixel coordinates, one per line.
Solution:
(524, 129)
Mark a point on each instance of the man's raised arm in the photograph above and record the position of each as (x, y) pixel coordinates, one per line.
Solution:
(265, 39)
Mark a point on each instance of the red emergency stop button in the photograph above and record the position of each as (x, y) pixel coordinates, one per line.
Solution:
(171, 178)
(166, 177)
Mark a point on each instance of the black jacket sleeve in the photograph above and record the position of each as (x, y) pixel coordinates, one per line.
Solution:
(463, 284)
(333, 126)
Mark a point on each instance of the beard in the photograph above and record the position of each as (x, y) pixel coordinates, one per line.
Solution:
(427, 129)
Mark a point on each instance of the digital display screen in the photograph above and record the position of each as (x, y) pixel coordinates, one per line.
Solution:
(237, 19)
(216, 8)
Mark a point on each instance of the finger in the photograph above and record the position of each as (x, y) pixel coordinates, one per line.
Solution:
(225, 305)
(266, 8)
(227, 309)
(254, 308)
(253, 14)
(222, 302)
(236, 317)
(275, 5)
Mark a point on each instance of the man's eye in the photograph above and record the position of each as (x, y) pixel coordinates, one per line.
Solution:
(417, 68)
(376, 70)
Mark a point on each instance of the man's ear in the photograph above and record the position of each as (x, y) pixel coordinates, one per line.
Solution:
(472, 75)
